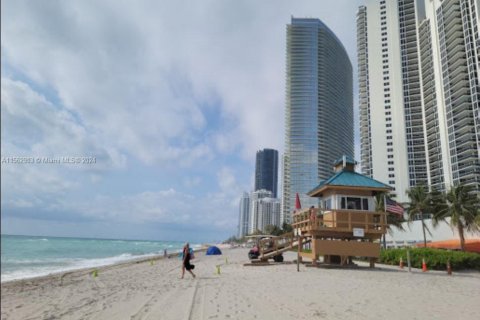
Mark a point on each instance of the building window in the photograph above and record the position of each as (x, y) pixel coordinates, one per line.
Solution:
(354, 203)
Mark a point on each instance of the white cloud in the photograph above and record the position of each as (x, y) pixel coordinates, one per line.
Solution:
(167, 84)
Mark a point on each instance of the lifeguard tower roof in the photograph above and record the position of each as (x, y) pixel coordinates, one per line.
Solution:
(346, 178)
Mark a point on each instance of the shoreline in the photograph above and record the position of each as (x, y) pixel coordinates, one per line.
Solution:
(89, 270)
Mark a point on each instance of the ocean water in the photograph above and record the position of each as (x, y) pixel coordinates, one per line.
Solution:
(28, 256)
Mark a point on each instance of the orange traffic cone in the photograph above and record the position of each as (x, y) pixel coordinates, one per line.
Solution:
(424, 265)
(449, 268)
(401, 263)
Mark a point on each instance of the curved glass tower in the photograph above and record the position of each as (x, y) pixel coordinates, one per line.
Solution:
(319, 109)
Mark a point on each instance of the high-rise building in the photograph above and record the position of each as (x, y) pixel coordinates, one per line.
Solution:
(418, 72)
(319, 109)
(266, 170)
(450, 60)
(244, 215)
(391, 123)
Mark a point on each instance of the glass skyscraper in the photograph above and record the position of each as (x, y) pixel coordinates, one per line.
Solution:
(319, 109)
(266, 170)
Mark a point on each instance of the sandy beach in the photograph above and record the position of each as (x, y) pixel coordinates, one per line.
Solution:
(142, 290)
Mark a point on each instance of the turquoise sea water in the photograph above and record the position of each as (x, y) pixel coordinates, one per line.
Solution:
(27, 256)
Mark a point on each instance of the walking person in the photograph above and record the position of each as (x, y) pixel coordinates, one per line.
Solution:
(186, 261)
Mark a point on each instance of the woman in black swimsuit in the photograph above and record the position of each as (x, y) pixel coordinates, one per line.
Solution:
(186, 261)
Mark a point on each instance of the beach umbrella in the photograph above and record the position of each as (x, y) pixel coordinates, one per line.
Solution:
(298, 206)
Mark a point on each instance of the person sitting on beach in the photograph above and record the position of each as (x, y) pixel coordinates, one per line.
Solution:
(186, 261)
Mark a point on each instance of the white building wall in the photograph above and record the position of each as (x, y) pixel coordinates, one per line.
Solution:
(413, 232)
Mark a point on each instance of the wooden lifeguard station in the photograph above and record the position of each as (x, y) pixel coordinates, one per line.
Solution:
(346, 224)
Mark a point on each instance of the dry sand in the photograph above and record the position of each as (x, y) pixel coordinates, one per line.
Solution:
(145, 291)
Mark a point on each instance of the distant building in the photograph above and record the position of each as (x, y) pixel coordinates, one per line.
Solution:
(319, 109)
(266, 170)
(264, 210)
(244, 215)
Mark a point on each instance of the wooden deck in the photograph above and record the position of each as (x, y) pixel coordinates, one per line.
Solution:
(339, 235)
(340, 224)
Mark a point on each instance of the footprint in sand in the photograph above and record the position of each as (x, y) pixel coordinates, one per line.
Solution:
(321, 314)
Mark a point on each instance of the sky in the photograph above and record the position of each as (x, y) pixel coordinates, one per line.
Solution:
(141, 119)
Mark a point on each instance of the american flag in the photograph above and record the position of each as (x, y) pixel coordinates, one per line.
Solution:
(394, 207)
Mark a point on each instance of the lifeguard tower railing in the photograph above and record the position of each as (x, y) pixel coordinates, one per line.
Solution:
(344, 224)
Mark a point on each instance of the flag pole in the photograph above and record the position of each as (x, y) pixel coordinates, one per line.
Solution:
(385, 221)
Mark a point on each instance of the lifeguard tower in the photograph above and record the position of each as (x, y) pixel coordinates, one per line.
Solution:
(347, 223)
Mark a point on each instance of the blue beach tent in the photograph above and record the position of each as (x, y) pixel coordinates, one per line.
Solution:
(213, 251)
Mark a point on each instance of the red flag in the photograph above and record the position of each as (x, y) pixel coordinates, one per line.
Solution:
(298, 206)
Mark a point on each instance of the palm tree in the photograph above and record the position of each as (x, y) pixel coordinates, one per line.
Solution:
(420, 204)
(393, 220)
(461, 205)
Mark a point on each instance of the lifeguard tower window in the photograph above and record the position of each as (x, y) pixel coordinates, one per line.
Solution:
(328, 204)
(354, 203)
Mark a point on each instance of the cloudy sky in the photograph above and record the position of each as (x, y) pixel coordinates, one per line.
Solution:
(155, 110)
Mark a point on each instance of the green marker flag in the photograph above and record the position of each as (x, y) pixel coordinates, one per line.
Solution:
(218, 269)
(95, 273)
